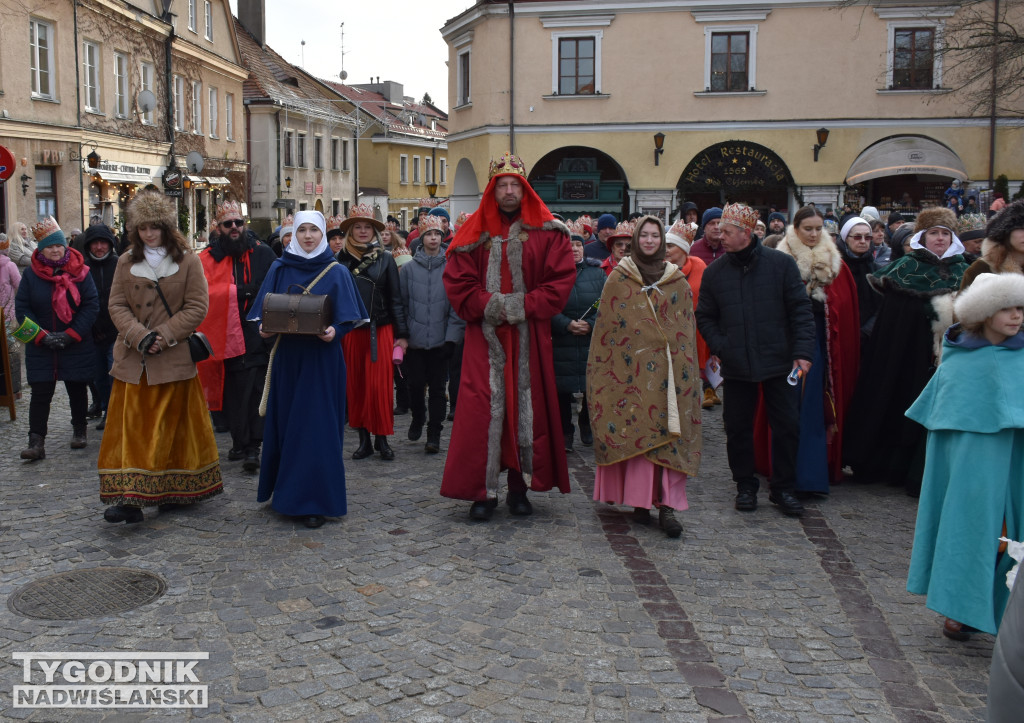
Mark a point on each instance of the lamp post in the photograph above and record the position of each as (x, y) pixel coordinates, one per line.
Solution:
(288, 184)
(822, 135)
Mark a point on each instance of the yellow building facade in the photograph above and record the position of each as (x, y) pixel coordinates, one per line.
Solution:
(640, 106)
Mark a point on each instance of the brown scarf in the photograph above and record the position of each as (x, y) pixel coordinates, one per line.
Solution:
(354, 248)
(651, 267)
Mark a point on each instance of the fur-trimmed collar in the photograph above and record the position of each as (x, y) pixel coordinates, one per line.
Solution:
(999, 258)
(819, 265)
(514, 230)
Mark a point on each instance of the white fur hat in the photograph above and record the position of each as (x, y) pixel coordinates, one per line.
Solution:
(988, 294)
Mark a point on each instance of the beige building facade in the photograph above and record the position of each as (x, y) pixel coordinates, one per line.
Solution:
(150, 88)
(639, 106)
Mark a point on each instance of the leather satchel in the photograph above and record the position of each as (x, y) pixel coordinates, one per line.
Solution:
(302, 313)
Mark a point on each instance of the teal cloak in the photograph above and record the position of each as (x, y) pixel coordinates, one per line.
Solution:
(973, 479)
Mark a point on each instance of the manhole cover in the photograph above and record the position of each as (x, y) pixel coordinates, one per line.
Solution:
(86, 593)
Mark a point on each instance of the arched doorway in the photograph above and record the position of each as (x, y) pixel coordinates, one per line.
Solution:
(465, 190)
(577, 180)
(736, 171)
(318, 206)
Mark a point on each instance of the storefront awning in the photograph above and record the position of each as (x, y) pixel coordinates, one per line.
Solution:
(210, 180)
(139, 179)
(903, 156)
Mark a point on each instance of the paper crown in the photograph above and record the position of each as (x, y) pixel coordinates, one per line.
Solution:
(45, 228)
(685, 231)
(333, 222)
(361, 212)
(228, 209)
(830, 226)
(623, 230)
(431, 223)
(587, 224)
(507, 163)
(287, 225)
(740, 215)
(576, 229)
(462, 218)
(970, 222)
(390, 226)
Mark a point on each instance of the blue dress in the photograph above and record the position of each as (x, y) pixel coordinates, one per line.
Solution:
(974, 464)
(303, 463)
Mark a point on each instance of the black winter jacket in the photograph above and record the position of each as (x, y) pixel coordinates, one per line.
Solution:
(756, 317)
(102, 272)
(570, 350)
(379, 288)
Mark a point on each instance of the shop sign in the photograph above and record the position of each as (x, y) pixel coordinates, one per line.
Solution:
(51, 158)
(114, 167)
(173, 180)
(736, 165)
(7, 164)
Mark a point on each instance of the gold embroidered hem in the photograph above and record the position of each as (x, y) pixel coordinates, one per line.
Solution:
(141, 488)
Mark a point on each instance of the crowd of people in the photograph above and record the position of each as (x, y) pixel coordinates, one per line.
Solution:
(839, 350)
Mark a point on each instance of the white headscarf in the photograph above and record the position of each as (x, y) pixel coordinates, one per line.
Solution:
(957, 247)
(848, 226)
(317, 219)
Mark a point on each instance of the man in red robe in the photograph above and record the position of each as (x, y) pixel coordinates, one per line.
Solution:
(509, 271)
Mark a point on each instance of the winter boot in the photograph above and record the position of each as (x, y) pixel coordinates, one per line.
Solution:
(35, 448)
(365, 445)
(381, 445)
(79, 441)
(668, 522)
(433, 445)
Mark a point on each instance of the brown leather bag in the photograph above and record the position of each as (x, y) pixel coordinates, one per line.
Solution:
(303, 313)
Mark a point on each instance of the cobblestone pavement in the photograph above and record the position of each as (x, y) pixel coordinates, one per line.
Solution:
(406, 610)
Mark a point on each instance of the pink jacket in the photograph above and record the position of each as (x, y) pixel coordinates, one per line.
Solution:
(10, 277)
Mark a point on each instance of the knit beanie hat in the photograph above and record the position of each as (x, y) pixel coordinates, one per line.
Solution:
(988, 294)
(776, 216)
(438, 211)
(48, 233)
(606, 220)
(710, 215)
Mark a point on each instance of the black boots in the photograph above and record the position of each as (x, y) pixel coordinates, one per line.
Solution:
(123, 513)
(35, 448)
(365, 445)
(667, 521)
(78, 441)
(381, 445)
(433, 445)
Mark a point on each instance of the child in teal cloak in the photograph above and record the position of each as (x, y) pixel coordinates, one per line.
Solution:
(974, 465)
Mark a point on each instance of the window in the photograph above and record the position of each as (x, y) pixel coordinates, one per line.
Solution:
(344, 154)
(197, 107)
(403, 169)
(729, 58)
(462, 78)
(91, 73)
(213, 112)
(913, 58)
(146, 71)
(443, 164)
(300, 147)
(335, 149)
(46, 192)
(179, 103)
(40, 37)
(576, 58)
(428, 170)
(318, 149)
(335, 207)
(192, 15)
(209, 21)
(415, 169)
(289, 139)
(121, 85)
(229, 116)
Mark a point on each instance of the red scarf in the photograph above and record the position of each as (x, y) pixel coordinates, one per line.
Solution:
(488, 217)
(65, 280)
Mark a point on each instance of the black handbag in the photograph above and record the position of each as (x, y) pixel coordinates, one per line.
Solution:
(198, 345)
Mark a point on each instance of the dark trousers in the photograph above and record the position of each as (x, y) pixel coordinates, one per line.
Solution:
(782, 404)
(103, 381)
(425, 372)
(243, 388)
(454, 376)
(402, 387)
(565, 400)
(42, 396)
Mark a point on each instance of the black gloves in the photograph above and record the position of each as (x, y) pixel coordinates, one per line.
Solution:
(147, 341)
(57, 340)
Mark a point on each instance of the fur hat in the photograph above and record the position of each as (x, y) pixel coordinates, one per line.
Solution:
(152, 207)
(1006, 221)
(937, 216)
(988, 294)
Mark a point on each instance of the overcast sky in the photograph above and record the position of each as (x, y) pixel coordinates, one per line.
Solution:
(398, 40)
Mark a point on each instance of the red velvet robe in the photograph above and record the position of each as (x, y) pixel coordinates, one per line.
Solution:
(548, 274)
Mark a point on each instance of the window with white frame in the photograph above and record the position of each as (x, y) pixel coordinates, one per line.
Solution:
(41, 58)
(197, 107)
(121, 85)
(91, 75)
(443, 168)
(914, 47)
(229, 116)
(300, 150)
(318, 152)
(462, 77)
(179, 103)
(576, 62)
(730, 59)
(403, 169)
(146, 73)
(415, 169)
(213, 113)
(428, 169)
(209, 21)
(192, 15)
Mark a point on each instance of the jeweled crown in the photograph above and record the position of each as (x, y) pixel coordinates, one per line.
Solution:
(431, 223)
(507, 163)
(740, 215)
(228, 209)
(362, 210)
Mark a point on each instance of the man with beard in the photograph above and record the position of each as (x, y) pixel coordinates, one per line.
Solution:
(235, 264)
(776, 223)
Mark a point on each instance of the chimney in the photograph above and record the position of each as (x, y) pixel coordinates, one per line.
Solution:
(253, 17)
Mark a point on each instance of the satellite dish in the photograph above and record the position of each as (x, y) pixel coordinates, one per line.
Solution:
(194, 161)
(343, 75)
(146, 101)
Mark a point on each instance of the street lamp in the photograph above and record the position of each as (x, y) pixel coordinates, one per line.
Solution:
(822, 134)
(432, 189)
(25, 178)
(288, 184)
(659, 141)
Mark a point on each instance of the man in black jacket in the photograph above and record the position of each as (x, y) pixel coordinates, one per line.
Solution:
(756, 318)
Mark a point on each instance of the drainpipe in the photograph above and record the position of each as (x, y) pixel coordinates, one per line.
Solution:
(511, 75)
(277, 160)
(78, 115)
(992, 106)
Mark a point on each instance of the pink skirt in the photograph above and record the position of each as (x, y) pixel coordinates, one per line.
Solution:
(632, 483)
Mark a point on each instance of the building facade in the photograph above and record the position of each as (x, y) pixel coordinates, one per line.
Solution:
(639, 106)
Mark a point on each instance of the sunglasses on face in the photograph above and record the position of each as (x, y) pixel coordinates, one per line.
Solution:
(858, 237)
(232, 222)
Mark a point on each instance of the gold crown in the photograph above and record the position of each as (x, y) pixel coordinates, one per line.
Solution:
(432, 223)
(507, 163)
(623, 230)
(686, 231)
(740, 215)
(333, 222)
(44, 228)
(227, 209)
(462, 218)
(587, 224)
